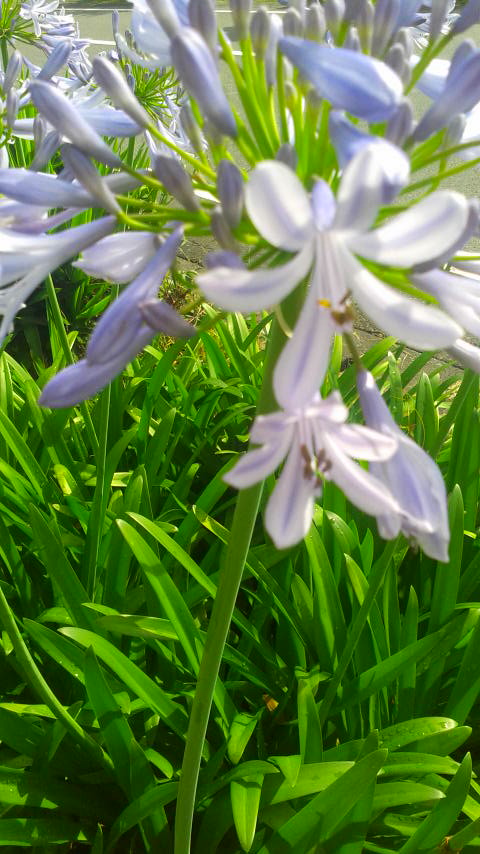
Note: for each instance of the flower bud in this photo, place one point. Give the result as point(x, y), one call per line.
point(57, 59)
point(287, 154)
point(384, 25)
point(190, 127)
point(292, 23)
point(12, 106)
point(221, 230)
point(260, 31)
point(469, 15)
point(85, 172)
point(165, 13)
point(437, 18)
point(223, 258)
point(315, 25)
point(230, 188)
point(201, 14)
point(175, 180)
point(365, 24)
point(400, 125)
point(161, 317)
point(455, 130)
point(198, 72)
point(352, 40)
point(13, 70)
point(334, 12)
point(113, 83)
point(240, 10)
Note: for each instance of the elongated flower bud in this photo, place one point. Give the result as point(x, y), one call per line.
point(230, 187)
point(292, 23)
point(57, 59)
point(365, 24)
point(201, 14)
point(175, 180)
point(315, 25)
point(161, 317)
point(437, 18)
point(12, 106)
point(384, 25)
point(260, 32)
point(288, 155)
point(240, 10)
point(165, 13)
point(116, 87)
point(198, 72)
point(469, 15)
point(400, 125)
point(85, 172)
point(13, 70)
point(58, 110)
point(221, 230)
point(190, 127)
point(352, 40)
point(334, 12)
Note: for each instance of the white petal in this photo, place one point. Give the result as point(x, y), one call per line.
point(119, 257)
point(370, 180)
point(290, 507)
point(254, 290)
point(278, 205)
point(415, 236)
point(271, 428)
point(256, 465)
point(364, 443)
point(422, 326)
point(467, 354)
point(365, 491)
point(303, 361)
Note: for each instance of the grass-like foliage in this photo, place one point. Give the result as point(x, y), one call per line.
point(346, 702)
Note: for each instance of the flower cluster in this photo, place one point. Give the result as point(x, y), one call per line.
point(328, 211)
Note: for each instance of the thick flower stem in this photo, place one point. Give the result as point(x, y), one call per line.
point(243, 522)
point(230, 578)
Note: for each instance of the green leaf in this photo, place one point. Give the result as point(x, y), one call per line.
point(314, 823)
point(241, 730)
point(309, 726)
point(245, 798)
point(443, 816)
point(36, 832)
point(137, 681)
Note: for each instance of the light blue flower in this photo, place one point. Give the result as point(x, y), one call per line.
point(124, 329)
point(411, 476)
point(327, 234)
point(351, 81)
point(315, 444)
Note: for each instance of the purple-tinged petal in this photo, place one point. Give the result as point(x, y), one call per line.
point(256, 465)
point(467, 354)
point(272, 428)
point(119, 257)
point(422, 326)
point(39, 188)
point(363, 489)
point(161, 317)
point(289, 511)
point(323, 205)
point(303, 361)
point(351, 81)
point(364, 443)
point(198, 72)
point(414, 237)
point(61, 113)
point(254, 290)
point(278, 205)
point(371, 179)
point(122, 319)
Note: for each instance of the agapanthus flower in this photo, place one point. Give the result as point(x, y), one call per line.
point(26, 259)
point(315, 444)
point(327, 235)
point(412, 477)
point(125, 328)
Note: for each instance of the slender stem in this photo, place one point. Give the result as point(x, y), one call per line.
point(43, 690)
point(230, 578)
point(59, 326)
point(375, 581)
point(95, 525)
